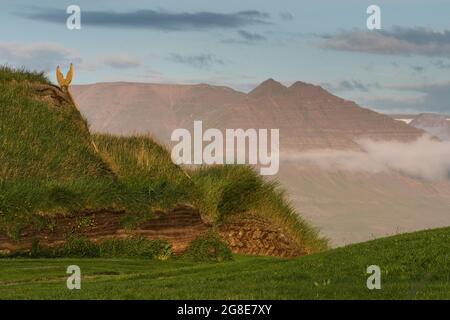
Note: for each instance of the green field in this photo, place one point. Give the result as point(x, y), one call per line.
point(414, 266)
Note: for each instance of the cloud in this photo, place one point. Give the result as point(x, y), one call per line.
point(350, 85)
point(436, 96)
point(395, 103)
point(38, 56)
point(246, 37)
point(201, 61)
point(286, 16)
point(251, 37)
point(121, 62)
point(427, 97)
point(424, 158)
point(397, 41)
point(417, 68)
point(441, 64)
point(152, 19)
point(46, 56)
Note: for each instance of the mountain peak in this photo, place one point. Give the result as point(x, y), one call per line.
point(300, 85)
point(268, 87)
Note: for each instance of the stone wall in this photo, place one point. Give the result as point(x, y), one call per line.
point(252, 234)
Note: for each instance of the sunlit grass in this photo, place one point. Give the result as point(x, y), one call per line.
point(413, 266)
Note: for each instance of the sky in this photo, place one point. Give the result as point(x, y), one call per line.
point(402, 68)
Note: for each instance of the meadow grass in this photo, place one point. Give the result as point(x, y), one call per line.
point(413, 266)
point(13, 74)
point(82, 247)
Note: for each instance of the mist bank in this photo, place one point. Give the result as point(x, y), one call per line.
point(424, 158)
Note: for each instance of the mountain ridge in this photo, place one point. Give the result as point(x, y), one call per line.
point(300, 110)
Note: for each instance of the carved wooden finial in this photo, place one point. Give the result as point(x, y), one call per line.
point(64, 82)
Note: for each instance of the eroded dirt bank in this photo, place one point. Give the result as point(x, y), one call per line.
point(250, 234)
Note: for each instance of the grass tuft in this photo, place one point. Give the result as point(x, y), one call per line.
point(208, 247)
point(13, 74)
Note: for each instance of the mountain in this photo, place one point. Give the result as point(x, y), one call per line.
point(308, 116)
point(348, 205)
point(435, 124)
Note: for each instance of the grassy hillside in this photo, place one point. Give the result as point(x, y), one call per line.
point(413, 266)
point(230, 189)
point(147, 169)
point(41, 141)
point(51, 166)
point(48, 163)
point(218, 191)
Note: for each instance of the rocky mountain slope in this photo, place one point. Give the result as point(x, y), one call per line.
point(308, 116)
point(435, 124)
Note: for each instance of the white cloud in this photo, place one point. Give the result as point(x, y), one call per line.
point(38, 56)
point(121, 61)
point(424, 158)
point(397, 41)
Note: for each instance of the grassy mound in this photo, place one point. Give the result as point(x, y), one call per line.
point(146, 167)
point(48, 162)
point(208, 247)
point(231, 189)
point(43, 142)
point(51, 165)
point(413, 266)
point(21, 75)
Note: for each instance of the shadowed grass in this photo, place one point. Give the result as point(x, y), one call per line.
point(413, 266)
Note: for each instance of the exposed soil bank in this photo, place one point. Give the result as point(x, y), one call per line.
point(249, 234)
point(178, 226)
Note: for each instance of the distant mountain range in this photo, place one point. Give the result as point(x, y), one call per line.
point(308, 116)
point(348, 205)
point(436, 124)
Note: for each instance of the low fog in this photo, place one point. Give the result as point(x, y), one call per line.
point(424, 158)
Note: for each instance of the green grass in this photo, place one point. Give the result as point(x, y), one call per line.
point(48, 164)
point(20, 75)
point(81, 247)
point(414, 266)
point(232, 189)
point(146, 168)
